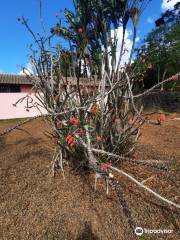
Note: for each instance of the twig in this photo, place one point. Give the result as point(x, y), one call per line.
point(8, 130)
point(140, 162)
point(147, 179)
point(144, 187)
point(158, 84)
point(119, 191)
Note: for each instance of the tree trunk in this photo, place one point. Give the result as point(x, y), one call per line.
point(163, 77)
point(122, 47)
point(133, 45)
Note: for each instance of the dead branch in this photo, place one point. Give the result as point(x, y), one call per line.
point(10, 129)
point(145, 187)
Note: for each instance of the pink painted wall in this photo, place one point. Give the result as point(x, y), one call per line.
point(8, 111)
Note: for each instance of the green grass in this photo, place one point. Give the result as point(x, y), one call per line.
point(166, 113)
point(173, 163)
point(142, 238)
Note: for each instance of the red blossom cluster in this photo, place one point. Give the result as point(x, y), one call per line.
point(106, 165)
point(94, 109)
point(162, 117)
point(71, 140)
point(75, 121)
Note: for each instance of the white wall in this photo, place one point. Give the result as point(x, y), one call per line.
point(8, 111)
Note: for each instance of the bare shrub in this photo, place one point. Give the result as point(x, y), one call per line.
point(88, 93)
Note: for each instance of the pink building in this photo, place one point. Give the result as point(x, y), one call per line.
point(12, 88)
point(15, 87)
point(10, 83)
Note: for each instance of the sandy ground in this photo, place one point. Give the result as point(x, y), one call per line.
point(34, 205)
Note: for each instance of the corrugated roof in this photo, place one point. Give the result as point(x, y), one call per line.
point(14, 79)
point(24, 79)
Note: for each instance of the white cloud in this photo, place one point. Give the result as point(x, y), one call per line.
point(127, 46)
point(137, 39)
point(166, 4)
point(28, 70)
point(150, 20)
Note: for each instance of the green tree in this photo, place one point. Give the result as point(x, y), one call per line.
point(159, 54)
point(89, 29)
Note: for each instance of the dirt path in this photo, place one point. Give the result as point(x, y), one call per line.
point(35, 206)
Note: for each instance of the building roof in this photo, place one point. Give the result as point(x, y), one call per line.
point(15, 79)
point(25, 79)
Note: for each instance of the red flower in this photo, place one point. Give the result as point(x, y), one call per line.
point(80, 30)
point(75, 121)
point(105, 165)
point(71, 140)
point(99, 139)
point(162, 117)
point(94, 109)
point(58, 124)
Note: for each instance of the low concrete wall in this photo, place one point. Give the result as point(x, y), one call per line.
point(8, 111)
point(157, 100)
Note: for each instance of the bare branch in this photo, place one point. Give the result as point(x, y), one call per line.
point(145, 187)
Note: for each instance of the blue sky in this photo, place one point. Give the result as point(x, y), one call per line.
point(14, 37)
